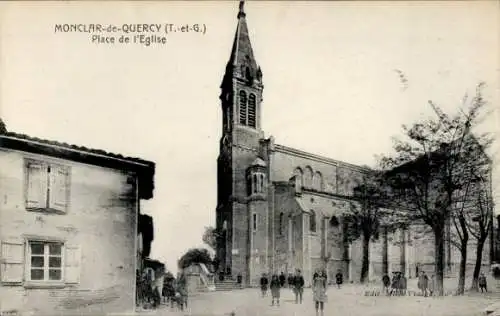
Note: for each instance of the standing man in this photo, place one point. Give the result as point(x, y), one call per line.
point(282, 279)
point(290, 280)
point(298, 286)
point(423, 283)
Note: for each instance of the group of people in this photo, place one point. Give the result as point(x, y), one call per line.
point(152, 288)
point(396, 286)
point(148, 294)
point(425, 284)
point(296, 284)
point(175, 292)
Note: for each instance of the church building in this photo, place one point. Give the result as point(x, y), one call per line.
point(280, 209)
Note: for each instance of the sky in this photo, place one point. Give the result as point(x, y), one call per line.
point(329, 72)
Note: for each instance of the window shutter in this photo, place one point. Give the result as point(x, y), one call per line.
point(12, 261)
point(59, 186)
point(36, 189)
point(72, 263)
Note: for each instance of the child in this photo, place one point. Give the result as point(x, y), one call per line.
point(275, 289)
point(402, 284)
point(394, 284)
point(182, 292)
point(339, 278)
point(482, 283)
point(431, 285)
point(386, 282)
point(263, 284)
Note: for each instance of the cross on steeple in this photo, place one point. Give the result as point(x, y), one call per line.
point(241, 13)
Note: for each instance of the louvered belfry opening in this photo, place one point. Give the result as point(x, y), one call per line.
point(251, 110)
point(243, 107)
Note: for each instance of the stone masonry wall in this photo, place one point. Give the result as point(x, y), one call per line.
point(259, 240)
point(101, 222)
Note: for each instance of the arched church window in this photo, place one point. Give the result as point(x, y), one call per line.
point(312, 222)
point(254, 222)
point(251, 110)
point(317, 181)
point(281, 223)
point(243, 107)
point(259, 180)
point(255, 184)
point(249, 185)
point(261, 183)
point(308, 174)
point(298, 179)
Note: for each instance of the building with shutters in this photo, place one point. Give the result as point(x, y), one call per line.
point(280, 208)
point(68, 227)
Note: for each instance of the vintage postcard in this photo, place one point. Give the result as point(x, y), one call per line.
point(249, 158)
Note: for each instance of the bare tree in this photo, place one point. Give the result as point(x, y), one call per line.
point(480, 225)
point(460, 237)
point(365, 216)
point(426, 174)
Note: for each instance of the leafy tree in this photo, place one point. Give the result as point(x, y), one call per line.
point(426, 174)
point(195, 255)
point(210, 237)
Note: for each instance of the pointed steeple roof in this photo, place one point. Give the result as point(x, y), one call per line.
point(242, 57)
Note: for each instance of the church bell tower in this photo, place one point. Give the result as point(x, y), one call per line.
point(241, 98)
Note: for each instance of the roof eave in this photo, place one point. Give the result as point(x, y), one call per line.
point(144, 170)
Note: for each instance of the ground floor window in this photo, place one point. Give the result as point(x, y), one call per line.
point(45, 261)
point(39, 262)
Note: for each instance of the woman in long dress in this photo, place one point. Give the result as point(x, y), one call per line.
point(319, 285)
point(275, 289)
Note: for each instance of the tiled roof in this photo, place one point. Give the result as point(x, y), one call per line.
point(144, 169)
point(75, 148)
